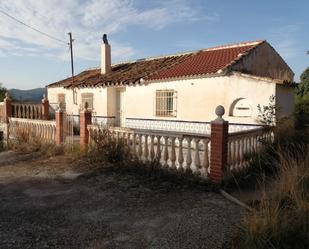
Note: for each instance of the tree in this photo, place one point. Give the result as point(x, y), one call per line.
point(303, 87)
point(2, 92)
point(302, 101)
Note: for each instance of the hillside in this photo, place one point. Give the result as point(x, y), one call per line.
point(32, 95)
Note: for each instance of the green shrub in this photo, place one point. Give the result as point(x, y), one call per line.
point(302, 112)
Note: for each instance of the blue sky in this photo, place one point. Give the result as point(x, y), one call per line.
point(140, 28)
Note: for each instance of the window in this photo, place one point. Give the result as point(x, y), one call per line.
point(87, 98)
point(166, 103)
point(61, 101)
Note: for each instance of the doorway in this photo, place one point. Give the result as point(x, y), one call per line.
point(120, 108)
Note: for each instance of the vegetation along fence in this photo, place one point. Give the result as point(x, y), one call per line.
point(213, 156)
point(183, 152)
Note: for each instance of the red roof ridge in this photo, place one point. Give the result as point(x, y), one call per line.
point(231, 45)
point(235, 45)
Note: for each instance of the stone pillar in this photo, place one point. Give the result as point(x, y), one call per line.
point(59, 127)
point(219, 146)
point(7, 107)
point(7, 113)
point(45, 108)
point(85, 120)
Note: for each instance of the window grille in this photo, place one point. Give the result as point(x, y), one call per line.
point(166, 103)
point(87, 98)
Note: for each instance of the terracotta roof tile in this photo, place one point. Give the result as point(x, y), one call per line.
point(124, 73)
point(208, 61)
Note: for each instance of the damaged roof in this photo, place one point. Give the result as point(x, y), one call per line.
point(211, 61)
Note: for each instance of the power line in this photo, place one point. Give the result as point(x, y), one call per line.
point(30, 27)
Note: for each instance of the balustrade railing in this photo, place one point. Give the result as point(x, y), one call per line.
point(44, 129)
point(27, 110)
point(178, 151)
point(243, 144)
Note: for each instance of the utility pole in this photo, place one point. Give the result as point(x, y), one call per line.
point(72, 66)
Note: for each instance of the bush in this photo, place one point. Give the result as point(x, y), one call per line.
point(302, 112)
point(281, 219)
point(265, 164)
point(106, 148)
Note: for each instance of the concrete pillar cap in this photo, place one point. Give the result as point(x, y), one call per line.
point(220, 112)
point(7, 96)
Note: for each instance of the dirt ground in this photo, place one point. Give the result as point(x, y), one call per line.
point(48, 203)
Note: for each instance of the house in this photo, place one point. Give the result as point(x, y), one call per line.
point(180, 92)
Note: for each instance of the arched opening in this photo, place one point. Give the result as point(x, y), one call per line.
point(240, 108)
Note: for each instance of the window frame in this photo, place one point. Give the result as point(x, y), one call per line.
point(61, 101)
point(165, 103)
point(90, 98)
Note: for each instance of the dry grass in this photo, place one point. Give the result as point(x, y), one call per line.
point(27, 142)
point(282, 218)
point(106, 148)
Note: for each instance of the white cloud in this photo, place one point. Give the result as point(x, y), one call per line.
point(87, 20)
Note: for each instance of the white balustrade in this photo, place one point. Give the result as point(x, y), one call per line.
point(44, 129)
point(27, 110)
point(176, 151)
point(245, 143)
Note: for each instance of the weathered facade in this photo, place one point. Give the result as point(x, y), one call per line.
point(180, 92)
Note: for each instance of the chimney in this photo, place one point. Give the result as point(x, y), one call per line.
point(105, 56)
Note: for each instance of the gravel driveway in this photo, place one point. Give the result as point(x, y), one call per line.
point(42, 206)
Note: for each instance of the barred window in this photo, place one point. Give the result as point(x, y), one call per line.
point(87, 98)
point(166, 103)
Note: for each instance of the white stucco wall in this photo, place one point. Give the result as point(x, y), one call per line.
point(264, 61)
point(285, 98)
point(99, 99)
point(196, 99)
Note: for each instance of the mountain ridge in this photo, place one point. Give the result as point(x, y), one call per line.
point(31, 95)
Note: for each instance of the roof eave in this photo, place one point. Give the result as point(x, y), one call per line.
point(267, 79)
